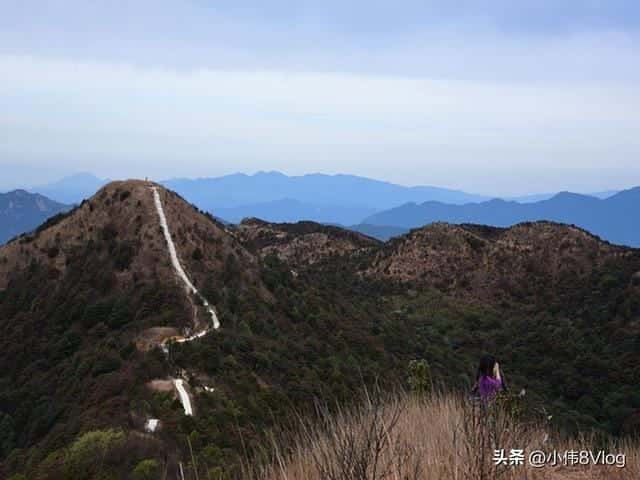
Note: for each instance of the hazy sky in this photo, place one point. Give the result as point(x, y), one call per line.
point(498, 97)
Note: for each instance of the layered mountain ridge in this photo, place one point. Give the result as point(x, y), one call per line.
point(377, 208)
point(21, 211)
point(614, 218)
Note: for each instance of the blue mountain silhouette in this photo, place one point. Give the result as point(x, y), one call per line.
point(616, 218)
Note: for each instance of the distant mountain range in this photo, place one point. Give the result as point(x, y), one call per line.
point(73, 189)
point(289, 210)
point(251, 191)
point(273, 196)
point(538, 197)
point(616, 218)
point(318, 189)
point(376, 208)
point(21, 211)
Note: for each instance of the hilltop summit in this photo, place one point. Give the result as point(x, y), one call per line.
point(120, 225)
point(491, 262)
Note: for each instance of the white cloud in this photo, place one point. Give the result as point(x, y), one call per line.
point(110, 118)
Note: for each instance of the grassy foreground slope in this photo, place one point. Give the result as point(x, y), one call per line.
point(439, 437)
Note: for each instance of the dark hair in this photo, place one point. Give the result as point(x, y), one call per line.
point(485, 369)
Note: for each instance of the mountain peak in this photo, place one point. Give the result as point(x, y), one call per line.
point(82, 176)
point(19, 193)
point(128, 184)
point(123, 220)
point(474, 260)
point(270, 174)
point(72, 189)
point(566, 195)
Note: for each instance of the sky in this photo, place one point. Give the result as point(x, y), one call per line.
point(493, 97)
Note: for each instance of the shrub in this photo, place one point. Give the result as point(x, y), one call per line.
point(85, 456)
point(146, 470)
point(109, 232)
point(7, 435)
point(105, 364)
point(419, 374)
point(122, 255)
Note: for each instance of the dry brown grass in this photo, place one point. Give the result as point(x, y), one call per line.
point(485, 263)
point(437, 438)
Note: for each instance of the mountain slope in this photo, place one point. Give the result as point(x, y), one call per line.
point(566, 310)
point(421, 436)
point(302, 243)
point(614, 218)
point(87, 301)
point(21, 211)
point(80, 296)
point(124, 217)
point(489, 263)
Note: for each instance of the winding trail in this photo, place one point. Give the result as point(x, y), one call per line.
point(180, 383)
point(184, 397)
point(178, 267)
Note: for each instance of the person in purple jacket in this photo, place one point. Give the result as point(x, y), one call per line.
point(489, 378)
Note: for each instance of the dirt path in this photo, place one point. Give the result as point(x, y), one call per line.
point(184, 397)
point(179, 383)
point(176, 262)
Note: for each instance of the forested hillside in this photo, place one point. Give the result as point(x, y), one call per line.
point(306, 312)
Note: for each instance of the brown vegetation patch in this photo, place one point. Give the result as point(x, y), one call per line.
point(302, 243)
point(489, 263)
point(154, 337)
point(161, 385)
